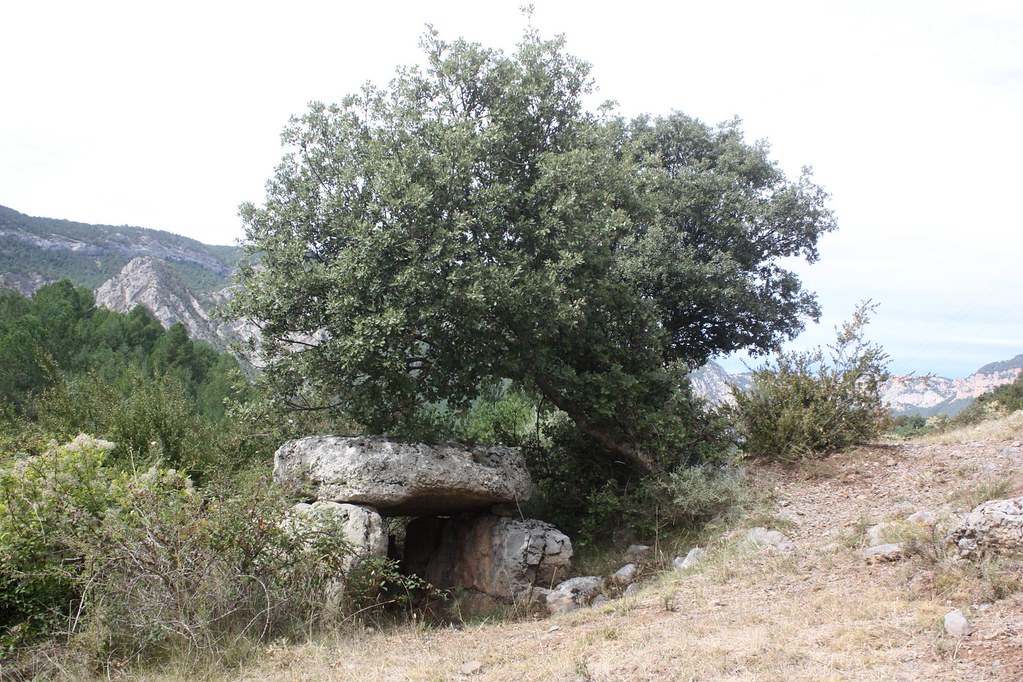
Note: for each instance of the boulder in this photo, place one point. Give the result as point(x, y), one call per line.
point(993, 527)
point(403, 479)
point(957, 625)
point(574, 593)
point(624, 575)
point(694, 557)
point(505, 558)
point(883, 553)
point(358, 526)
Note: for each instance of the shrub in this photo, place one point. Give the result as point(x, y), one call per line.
point(48, 503)
point(132, 566)
point(590, 493)
point(814, 402)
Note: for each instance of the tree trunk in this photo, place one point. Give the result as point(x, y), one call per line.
point(642, 461)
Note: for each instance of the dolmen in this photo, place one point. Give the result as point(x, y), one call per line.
point(465, 534)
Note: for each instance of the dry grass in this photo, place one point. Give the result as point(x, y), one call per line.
point(1007, 428)
point(818, 612)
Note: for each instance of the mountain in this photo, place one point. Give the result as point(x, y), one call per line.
point(36, 251)
point(712, 383)
point(175, 278)
point(905, 395)
point(926, 396)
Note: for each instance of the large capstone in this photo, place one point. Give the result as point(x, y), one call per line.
point(504, 558)
point(403, 479)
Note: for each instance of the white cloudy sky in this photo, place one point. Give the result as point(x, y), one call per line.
point(167, 115)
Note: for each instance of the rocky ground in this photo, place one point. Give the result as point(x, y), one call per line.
point(815, 610)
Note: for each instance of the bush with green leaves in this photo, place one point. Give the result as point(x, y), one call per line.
point(47, 503)
point(815, 402)
point(136, 565)
point(590, 493)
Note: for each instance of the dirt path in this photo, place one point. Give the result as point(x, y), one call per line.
point(817, 612)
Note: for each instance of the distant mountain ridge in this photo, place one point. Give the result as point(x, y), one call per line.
point(175, 278)
point(905, 395)
point(36, 251)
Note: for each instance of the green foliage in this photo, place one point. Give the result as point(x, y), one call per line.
point(591, 493)
point(142, 564)
point(77, 368)
point(811, 403)
point(911, 426)
point(47, 502)
point(474, 223)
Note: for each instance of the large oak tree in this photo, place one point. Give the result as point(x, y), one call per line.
point(474, 221)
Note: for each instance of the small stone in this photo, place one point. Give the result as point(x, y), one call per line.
point(631, 588)
point(875, 534)
point(922, 518)
point(637, 552)
point(882, 553)
point(599, 600)
point(471, 668)
point(956, 624)
point(694, 557)
point(761, 537)
point(624, 575)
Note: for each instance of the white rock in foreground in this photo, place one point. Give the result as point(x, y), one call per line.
point(694, 557)
point(956, 624)
point(994, 527)
point(361, 528)
point(403, 479)
point(574, 593)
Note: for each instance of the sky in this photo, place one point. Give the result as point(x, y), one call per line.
point(168, 116)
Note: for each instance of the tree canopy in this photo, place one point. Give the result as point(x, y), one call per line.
point(475, 221)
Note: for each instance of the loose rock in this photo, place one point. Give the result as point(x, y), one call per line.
point(574, 593)
point(956, 624)
point(993, 527)
point(624, 575)
point(694, 557)
point(876, 534)
point(882, 553)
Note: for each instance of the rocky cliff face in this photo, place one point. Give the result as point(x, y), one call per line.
point(36, 251)
point(934, 395)
point(903, 394)
point(149, 282)
point(712, 383)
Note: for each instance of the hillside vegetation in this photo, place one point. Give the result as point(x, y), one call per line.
point(470, 254)
point(35, 251)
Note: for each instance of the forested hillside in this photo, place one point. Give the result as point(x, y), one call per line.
point(36, 251)
point(71, 366)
